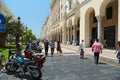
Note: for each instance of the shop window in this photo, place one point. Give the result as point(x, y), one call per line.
point(109, 13)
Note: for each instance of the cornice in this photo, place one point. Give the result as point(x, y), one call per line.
point(52, 3)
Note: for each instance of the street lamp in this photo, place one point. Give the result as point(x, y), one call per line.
point(18, 26)
point(18, 45)
point(18, 18)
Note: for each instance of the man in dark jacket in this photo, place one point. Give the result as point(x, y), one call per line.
point(46, 46)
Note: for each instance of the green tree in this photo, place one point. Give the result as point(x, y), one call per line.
point(29, 36)
point(4, 35)
point(14, 28)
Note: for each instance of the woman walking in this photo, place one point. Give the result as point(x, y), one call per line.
point(59, 48)
point(97, 47)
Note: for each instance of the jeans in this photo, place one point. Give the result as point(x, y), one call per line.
point(52, 51)
point(118, 56)
point(82, 54)
point(96, 57)
point(46, 51)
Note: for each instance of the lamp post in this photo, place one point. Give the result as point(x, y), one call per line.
point(19, 45)
point(18, 26)
point(18, 18)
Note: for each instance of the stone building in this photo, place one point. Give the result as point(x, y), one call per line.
point(88, 20)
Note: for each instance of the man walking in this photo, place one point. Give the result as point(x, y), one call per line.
point(52, 46)
point(46, 43)
point(97, 48)
point(81, 47)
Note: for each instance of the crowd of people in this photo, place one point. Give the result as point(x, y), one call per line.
point(38, 46)
point(52, 47)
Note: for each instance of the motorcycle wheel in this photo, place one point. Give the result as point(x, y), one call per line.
point(36, 74)
point(10, 67)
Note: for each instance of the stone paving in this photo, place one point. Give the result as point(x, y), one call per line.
point(107, 53)
point(70, 67)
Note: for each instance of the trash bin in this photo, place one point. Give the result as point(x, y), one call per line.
point(12, 52)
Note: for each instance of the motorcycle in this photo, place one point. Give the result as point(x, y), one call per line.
point(28, 54)
point(31, 66)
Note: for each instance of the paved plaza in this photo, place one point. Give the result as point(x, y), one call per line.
point(70, 67)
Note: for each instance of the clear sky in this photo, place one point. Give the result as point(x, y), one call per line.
point(33, 13)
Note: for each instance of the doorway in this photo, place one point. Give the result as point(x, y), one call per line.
point(78, 40)
point(109, 36)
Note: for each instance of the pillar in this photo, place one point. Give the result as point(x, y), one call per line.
point(68, 42)
point(74, 35)
point(118, 20)
point(99, 36)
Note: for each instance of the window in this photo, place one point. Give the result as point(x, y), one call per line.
point(61, 6)
point(65, 8)
point(70, 5)
point(109, 13)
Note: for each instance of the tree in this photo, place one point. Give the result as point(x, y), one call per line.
point(14, 27)
point(4, 35)
point(29, 36)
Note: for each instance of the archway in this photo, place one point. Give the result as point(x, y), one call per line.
point(110, 22)
point(77, 29)
point(90, 26)
point(69, 33)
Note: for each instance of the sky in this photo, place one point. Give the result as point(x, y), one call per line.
point(33, 13)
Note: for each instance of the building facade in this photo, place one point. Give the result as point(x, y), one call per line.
point(88, 20)
point(4, 9)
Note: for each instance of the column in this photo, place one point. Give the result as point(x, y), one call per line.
point(118, 20)
point(61, 35)
point(99, 28)
point(74, 35)
point(68, 42)
point(64, 35)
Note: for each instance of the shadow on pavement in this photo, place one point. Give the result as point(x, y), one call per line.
point(21, 77)
point(101, 63)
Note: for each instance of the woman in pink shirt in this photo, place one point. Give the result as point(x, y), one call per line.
point(97, 48)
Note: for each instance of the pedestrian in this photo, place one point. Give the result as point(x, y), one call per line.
point(52, 46)
point(19, 49)
point(81, 49)
point(28, 46)
point(40, 47)
point(118, 51)
point(97, 48)
point(46, 46)
point(59, 48)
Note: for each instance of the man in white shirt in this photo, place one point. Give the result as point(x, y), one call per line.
point(81, 47)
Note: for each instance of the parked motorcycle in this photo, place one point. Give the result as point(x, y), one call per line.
point(31, 66)
point(28, 54)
